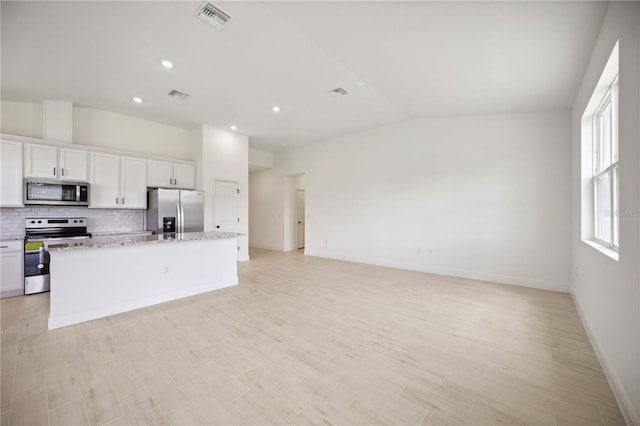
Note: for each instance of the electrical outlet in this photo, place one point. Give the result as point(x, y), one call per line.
point(165, 270)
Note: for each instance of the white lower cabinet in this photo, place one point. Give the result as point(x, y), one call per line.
point(11, 268)
point(118, 182)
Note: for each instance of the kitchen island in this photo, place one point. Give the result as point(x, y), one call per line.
point(98, 277)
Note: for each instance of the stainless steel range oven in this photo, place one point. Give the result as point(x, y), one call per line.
point(36, 257)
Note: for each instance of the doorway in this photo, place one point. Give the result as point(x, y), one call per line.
point(300, 224)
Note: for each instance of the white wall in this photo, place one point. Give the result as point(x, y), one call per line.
point(223, 155)
point(266, 209)
point(607, 291)
point(103, 129)
point(260, 160)
point(21, 118)
point(485, 197)
point(98, 128)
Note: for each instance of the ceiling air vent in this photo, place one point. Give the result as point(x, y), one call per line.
point(338, 92)
point(213, 16)
point(178, 94)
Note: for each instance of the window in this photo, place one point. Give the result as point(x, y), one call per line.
point(605, 168)
point(600, 163)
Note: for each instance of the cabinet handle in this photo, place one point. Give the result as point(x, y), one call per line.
point(123, 201)
point(54, 171)
point(175, 181)
point(170, 181)
point(116, 200)
point(4, 246)
point(63, 171)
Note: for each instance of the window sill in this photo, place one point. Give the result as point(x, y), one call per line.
point(604, 250)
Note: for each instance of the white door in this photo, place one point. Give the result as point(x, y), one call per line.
point(227, 209)
point(300, 224)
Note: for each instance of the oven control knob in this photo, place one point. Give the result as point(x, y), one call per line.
point(40, 265)
point(39, 221)
point(75, 221)
point(33, 221)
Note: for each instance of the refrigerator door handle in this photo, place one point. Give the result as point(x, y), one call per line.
point(178, 218)
point(181, 217)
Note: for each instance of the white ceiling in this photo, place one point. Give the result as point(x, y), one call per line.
point(417, 59)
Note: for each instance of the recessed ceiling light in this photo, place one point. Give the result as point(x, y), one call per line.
point(234, 128)
point(276, 109)
point(167, 64)
point(137, 100)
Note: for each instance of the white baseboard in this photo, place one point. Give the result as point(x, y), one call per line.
point(265, 247)
point(482, 276)
point(12, 293)
point(621, 396)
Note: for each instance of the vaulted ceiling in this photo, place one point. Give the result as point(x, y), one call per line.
point(397, 61)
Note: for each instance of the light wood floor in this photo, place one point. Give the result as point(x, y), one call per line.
point(305, 340)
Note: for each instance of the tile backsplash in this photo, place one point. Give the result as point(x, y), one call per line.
point(12, 220)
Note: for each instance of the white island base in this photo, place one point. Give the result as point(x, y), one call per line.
point(97, 281)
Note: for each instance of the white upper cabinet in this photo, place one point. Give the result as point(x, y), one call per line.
point(11, 174)
point(184, 176)
point(73, 164)
point(105, 178)
point(133, 183)
point(50, 162)
point(118, 182)
point(40, 161)
point(164, 174)
point(160, 174)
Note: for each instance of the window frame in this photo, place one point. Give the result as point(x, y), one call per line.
point(607, 166)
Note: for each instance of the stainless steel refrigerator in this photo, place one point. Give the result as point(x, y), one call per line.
point(175, 210)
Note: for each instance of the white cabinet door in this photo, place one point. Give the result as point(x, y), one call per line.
point(73, 164)
point(105, 181)
point(160, 174)
point(184, 176)
point(40, 161)
point(11, 174)
point(133, 184)
point(11, 270)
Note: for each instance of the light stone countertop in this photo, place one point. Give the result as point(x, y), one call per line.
point(119, 233)
point(136, 239)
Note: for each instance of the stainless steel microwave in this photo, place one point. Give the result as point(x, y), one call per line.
point(57, 193)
